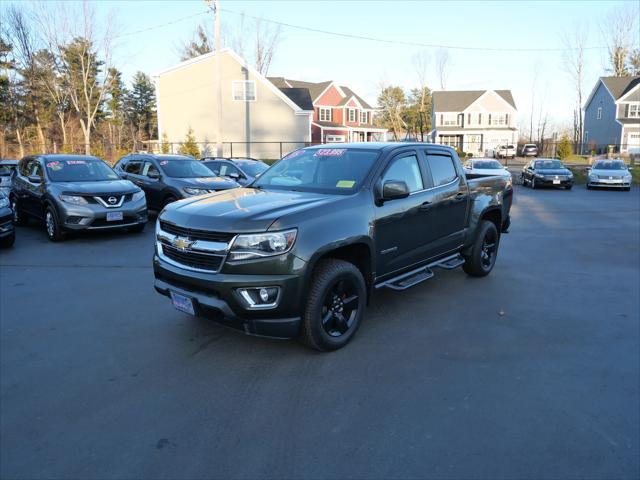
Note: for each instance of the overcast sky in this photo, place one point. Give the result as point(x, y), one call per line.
point(363, 64)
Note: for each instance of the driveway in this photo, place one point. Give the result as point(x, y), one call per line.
point(532, 372)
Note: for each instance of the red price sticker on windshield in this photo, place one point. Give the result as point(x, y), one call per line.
point(54, 165)
point(330, 152)
point(164, 162)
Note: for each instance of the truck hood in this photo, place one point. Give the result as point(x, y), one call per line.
point(241, 209)
point(97, 188)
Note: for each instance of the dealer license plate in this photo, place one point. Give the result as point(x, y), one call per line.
point(182, 303)
point(114, 216)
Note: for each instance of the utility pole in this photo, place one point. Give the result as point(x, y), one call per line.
point(217, 84)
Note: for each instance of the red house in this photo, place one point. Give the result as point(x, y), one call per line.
point(340, 115)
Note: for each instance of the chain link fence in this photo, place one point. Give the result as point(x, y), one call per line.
point(274, 150)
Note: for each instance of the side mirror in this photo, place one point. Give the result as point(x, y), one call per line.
point(234, 175)
point(35, 178)
point(153, 175)
point(394, 190)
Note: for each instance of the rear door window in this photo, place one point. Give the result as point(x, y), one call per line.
point(442, 169)
point(133, 167)
point(405, 169)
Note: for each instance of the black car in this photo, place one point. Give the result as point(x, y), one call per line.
point(547, 172)
point(242, 170)
point(75, 192)
point(7, 232)
point(167, 178)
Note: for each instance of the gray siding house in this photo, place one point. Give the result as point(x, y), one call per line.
point(612, 116)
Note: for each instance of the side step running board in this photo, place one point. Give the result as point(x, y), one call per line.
point(419, 275)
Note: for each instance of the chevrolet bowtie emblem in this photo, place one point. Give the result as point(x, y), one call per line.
point(182, 243)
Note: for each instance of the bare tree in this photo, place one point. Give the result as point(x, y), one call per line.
point(20, 34)
point(443, 65)
point(261, 54)
point(619, 29)
point(421, 65)
point(573, 61)
point(267, 39)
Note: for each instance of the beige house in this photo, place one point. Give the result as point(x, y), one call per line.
point(258, 119)
point(475, 121)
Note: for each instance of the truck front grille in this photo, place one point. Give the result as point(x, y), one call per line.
point(201, 261)
point(196, 234)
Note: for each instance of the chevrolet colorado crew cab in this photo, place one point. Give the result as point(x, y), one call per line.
point(299, 251)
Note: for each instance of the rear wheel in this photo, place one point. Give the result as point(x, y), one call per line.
point(19, 218)
point(482, 257)
point(52, 224)
point(335, 305)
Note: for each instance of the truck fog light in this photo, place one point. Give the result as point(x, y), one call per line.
point(262, 297)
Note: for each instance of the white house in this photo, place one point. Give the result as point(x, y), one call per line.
point(474, 120)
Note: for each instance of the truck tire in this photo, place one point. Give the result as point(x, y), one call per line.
point(482, 257)
point(335, 305)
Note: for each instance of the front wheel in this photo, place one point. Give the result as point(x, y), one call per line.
point(484, 251)
point(533, 183)
point(8, 241)
point(51, 222)
point(335, 305)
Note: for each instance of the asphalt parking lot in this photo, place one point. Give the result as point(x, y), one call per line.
point(532, 372)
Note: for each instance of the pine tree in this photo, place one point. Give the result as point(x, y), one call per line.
point(189, 146)
point(142, 107)
point(564, 147)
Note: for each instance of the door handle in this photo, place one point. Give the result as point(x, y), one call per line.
point(425, 205)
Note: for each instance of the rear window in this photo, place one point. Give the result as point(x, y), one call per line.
point(442, 169)
point(486, 164)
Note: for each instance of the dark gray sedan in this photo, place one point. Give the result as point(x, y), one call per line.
point(75, 192)
point(547, 172)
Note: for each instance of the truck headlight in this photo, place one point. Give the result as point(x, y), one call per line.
point(256, 245)
point(539, 175)
point(4, 202)
point(74, 199)
point(139, 195)
point(195, 191)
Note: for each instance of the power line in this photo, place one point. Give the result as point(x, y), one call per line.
point(402, 42)
point(127, 34)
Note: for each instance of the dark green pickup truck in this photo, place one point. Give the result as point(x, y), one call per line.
point(300, 250)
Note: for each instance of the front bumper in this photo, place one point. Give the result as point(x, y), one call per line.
point(614, 183)
point(94, 216)
point(6, 222)
point(215, 295)
point(549, 182)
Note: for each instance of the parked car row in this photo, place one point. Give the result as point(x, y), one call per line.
point(551, 172)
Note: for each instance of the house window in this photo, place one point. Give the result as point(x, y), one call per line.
point(324, 114)
point(363, 117)
point(599, 114)
point(479, 119)
point(489, 119)
point(441, 119)
point(352, 114)
point(634, 110)
point(468, 118)
point(333, 138)
point(244, 90)
point(451, 120)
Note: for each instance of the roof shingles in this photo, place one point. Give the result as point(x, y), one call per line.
point(457, 101)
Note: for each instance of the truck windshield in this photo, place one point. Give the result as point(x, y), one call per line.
point(79, 170)
point(327, 170)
